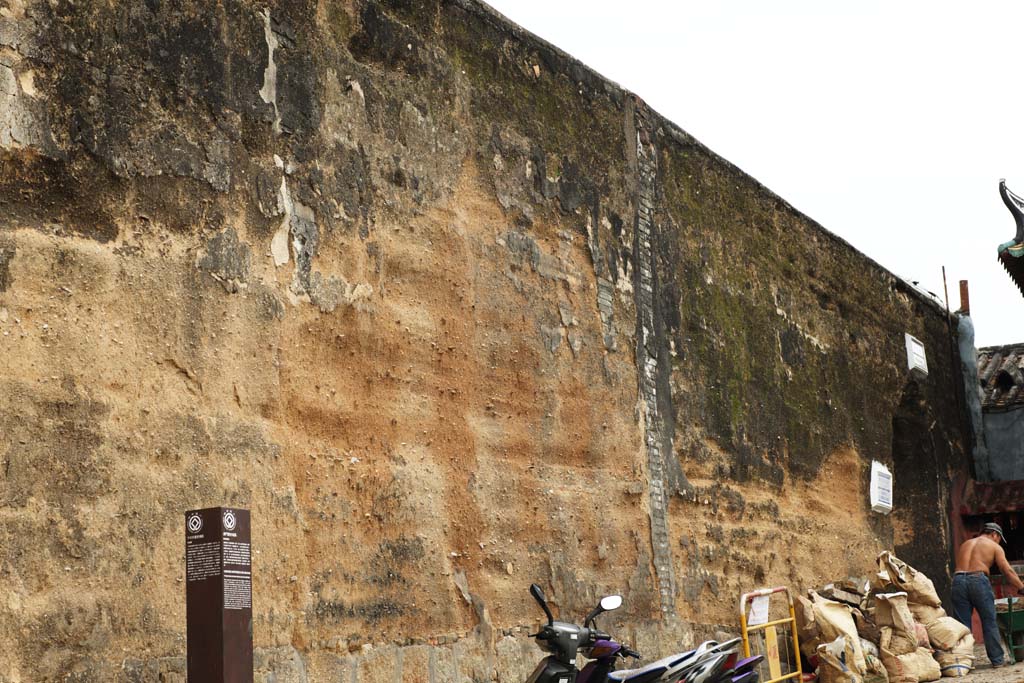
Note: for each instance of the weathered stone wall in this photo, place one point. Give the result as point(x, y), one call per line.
point(450, 313)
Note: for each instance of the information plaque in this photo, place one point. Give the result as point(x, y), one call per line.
point(218, 595)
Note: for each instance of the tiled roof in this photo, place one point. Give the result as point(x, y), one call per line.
point(1011, 255)
point(1001, 372)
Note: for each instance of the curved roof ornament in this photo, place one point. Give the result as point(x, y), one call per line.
point(1015, 204)
point(1011, 254)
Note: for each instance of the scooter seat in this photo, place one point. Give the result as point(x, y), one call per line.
point(707, 652)
point(649, 672)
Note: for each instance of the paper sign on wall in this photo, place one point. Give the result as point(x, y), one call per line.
point(759, 610)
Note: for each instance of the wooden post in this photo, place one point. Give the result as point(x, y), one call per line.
point(218, 595)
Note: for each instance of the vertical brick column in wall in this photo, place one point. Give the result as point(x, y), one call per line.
point(647, 364)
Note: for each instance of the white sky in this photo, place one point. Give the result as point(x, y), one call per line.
point(890, 123)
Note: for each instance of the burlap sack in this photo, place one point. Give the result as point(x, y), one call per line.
point(922, 635)
point(833, 661)
point(806, 626)
point(880, 582)
point(835, 619)
point(876, 672)
point(919, 588)
point(829, 672)
point(912, 667)
point(921, 665)
point(953, 665)
point(965, 646)
point(925, 614)
point(891, 609)
point(895, 641)
point(945, 633)
point(895, 668)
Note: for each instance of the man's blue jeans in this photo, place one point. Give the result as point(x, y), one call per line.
point(974, 591)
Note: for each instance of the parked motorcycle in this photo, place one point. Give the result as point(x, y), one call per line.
point(711, 662)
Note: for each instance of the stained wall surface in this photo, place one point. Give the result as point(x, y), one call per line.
point(1004, 432)
point(450, 313)
point(1001, 380)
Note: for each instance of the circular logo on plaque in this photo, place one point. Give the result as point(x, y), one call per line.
point(229, 520)
point(194, 523)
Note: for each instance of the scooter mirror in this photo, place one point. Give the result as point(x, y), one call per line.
point(608, 603)
point(538, 595)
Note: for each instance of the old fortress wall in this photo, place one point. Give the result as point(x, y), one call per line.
point(450, 313)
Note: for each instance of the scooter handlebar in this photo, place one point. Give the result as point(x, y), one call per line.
point(627, 652)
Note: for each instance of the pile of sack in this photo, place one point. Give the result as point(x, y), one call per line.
point(898, 634)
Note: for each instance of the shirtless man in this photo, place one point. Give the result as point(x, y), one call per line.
point(973, 590)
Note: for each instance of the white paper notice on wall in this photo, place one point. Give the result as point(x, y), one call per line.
point(880, 488)
point(759, 610)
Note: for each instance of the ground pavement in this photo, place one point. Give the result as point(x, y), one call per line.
point(984, 673)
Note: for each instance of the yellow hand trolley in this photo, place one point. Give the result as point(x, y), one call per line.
point(771, 635)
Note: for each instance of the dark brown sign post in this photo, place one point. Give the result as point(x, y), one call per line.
point(218, 595)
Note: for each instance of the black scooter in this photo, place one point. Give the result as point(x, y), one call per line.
point(711, 662)
point(564, 641)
